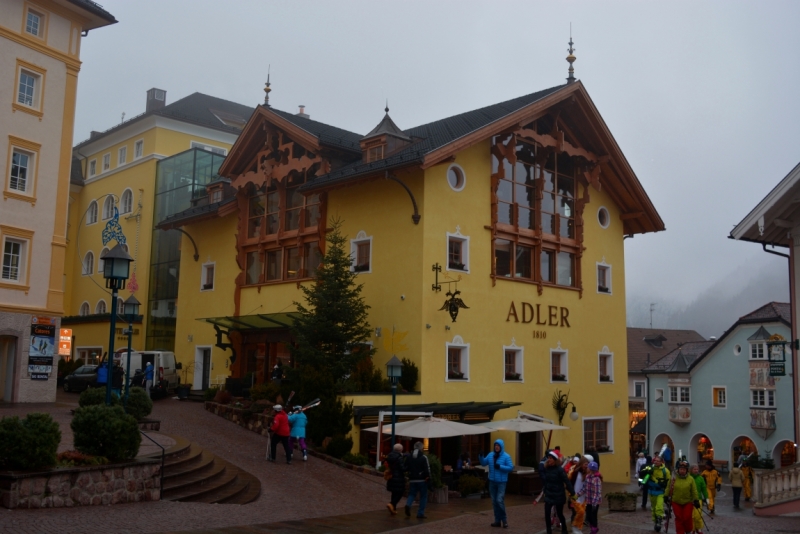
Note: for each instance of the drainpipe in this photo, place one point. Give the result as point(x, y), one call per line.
point(648, 415)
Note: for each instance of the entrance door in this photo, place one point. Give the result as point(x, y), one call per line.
point(8, 347)
point(206, 368)
point(202, 368)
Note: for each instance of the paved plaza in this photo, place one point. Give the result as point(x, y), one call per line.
point(313, 496)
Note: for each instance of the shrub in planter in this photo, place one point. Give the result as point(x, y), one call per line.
point(139, 403)
point(268, 392)
point(339, 446)
point(210, 393)
point(468, 484)
point(223, 397)
point(436, 470)
point(106, 431)
point(78, 459)
point(408, 380)
point(355, 459)
point(29, 443)
point(95, 396)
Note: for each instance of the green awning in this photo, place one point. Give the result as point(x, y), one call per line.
point(258, 321)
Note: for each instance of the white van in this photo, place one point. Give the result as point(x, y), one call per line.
point(165, 375)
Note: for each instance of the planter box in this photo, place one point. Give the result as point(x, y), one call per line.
point(134, 481)
point(439, 496)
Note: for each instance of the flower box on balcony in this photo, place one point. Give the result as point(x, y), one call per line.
point(452, 375)
point(559, 378)
point(605, 378)
point(513, 377)
point(361, 268)
point(456, 266)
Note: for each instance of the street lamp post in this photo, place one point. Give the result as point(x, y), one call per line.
point(116, 269)
point(131, 306)
point(394, 368)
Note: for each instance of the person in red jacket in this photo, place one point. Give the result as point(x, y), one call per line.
point(280, 432)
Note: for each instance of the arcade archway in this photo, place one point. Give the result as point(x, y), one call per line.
point(742, 446)
point(700, 449)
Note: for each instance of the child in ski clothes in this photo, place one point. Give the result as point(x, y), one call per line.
point(555, 481)
point(500, 465)
point(656, 487)
point(298, 422)
point(713, 483)
point(280, 432)
point(579, 503)
point(702, 491)
point(684, 497)
point(593, 491)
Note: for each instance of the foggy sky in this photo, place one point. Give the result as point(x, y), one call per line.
point(702, 97)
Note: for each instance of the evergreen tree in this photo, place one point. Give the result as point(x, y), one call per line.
point(332, 330)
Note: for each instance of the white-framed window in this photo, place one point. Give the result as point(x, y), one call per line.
point(457, 360)
point(108, 207)
point(207, 276)
point(29, 93)
point(91, 213)
point(456, 177)
point(138, 149)
point(88, 263)
point(101, 263)
point(361, 253)
point(14, 259)
point(680, 394)
point(120, 307)
point(719, 396)
point(100, 307)
point(106, 162)
point(209, 148)
point(126, 201)
point(659, 394)
point(762, 398)
point(27, 88)
point(35, 23)
point(758, 351)
point(457, 251)
point(92, 168)
point(598, 434)
point(603, 218)
point(605, 365)
point(559, 371)
point(84, 309)
point(603, 277)
point(639, 389)
point(22, 171)
point(513, 358)
point(122, 156)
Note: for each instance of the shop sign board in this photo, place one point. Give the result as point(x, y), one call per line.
point(65, 342)
point(777, 368)
point(42, 347)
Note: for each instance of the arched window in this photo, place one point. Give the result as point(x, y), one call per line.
point(101, 306)
point(100, 262)
point(91, 213)
point(126, 202)
point(88, 263)
point(108, 207)
point(120, 307)
point(84, 309)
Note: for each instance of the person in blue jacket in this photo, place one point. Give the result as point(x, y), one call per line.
point(298, 422)
point(148, 377)
point(500, 465)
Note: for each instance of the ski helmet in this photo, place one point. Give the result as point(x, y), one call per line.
point(277, 407)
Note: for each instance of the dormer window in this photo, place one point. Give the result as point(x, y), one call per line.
point(375, 153)
point(655, 341)
point(385, 139)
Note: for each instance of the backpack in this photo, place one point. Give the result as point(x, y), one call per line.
point(387, 471)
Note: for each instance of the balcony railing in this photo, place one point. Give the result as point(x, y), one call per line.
point(774, 487)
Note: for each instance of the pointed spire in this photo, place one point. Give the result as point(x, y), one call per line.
point(387, 127)
point(571, 57)
point(386, 109)
point(266, 88)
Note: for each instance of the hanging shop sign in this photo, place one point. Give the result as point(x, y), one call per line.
point(65, 341)
point(776, 350)
point(42, 347)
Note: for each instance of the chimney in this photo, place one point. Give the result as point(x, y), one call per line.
point(303, 113)
point(156, 99)
point(94, 133)
point(712, 338)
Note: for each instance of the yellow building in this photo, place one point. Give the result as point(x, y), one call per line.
point(519, 209)
point(40, 44)
point(129, 172)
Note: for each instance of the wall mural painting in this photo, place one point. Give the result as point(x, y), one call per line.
point(759, 375)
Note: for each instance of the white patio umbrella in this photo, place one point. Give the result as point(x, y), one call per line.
point(431, 427)
point(519, 424)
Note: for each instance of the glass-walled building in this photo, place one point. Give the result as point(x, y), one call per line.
point(180, 179)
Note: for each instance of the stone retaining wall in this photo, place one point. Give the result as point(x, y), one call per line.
point(135, 481)
point(244, 417)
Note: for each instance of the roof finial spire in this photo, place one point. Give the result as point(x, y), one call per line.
point(571, 57)
point(266, 88)
point(387, 106)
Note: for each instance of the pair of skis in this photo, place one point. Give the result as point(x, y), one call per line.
point(314, 403)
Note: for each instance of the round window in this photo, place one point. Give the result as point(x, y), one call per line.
point(602, 217)
point(455, 177)
point(737, 350)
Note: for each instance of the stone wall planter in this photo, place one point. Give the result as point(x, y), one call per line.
point(244, 417)
point(134, 481)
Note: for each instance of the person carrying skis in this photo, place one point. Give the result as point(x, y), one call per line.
point(656, 486)
point(684, 498)
point(713, 482)
point(702, 491)
point(298, 422)
point(500, 465)
point(280, 430)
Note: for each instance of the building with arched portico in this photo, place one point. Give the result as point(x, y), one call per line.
point(716, 400)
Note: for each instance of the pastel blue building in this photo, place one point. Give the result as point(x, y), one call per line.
point(717, 399)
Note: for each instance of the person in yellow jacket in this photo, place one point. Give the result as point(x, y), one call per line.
point(684, 498)
point(713, 483)
point(700, 482)
point(657, 481)
point(747, 473)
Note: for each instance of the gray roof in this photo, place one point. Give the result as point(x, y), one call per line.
point(387, 127)
point(327, 134)
point(680, 359)
point(76, 172)
point(775, 311)
point(639, 349)
point(429, 137)
point(95, 9)
point(761, 335)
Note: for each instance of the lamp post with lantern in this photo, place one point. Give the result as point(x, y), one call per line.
point(394, 369)
point(131, 309)
point(116, 270)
